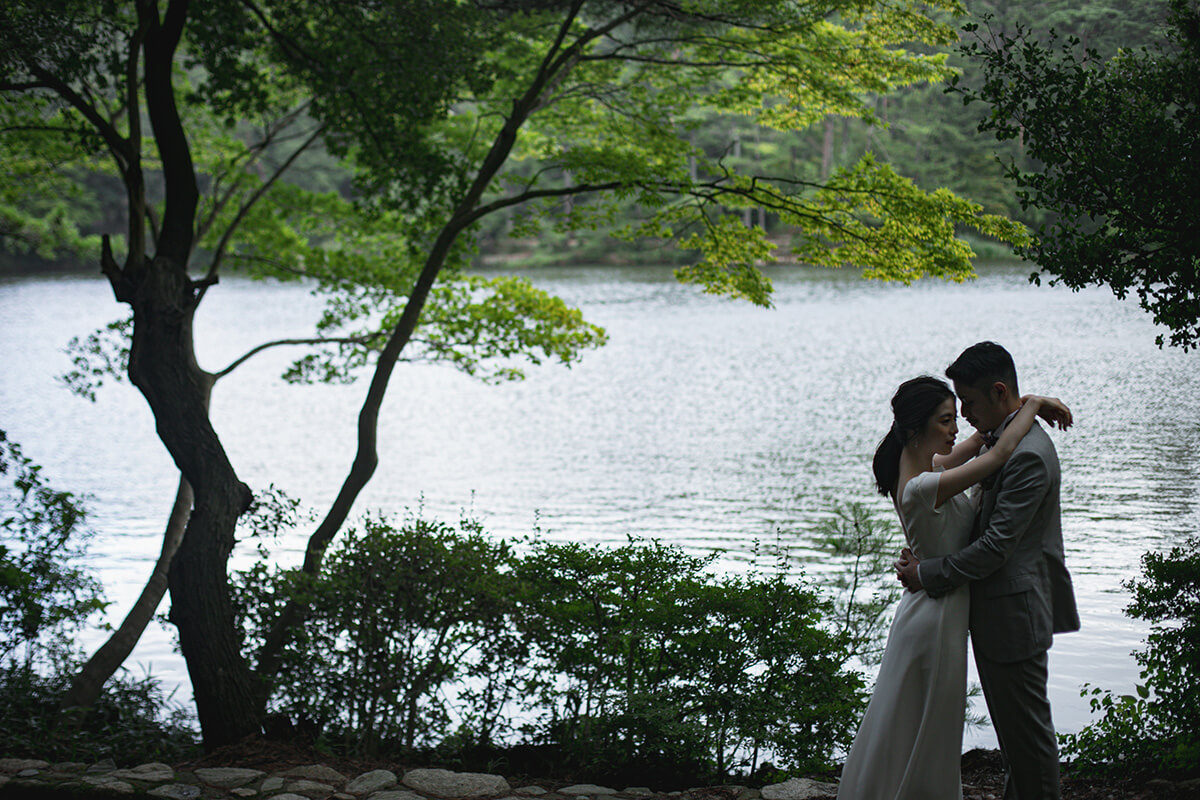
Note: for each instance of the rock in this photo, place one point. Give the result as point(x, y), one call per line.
point(530, 791)
point(69, 766)
point(398, 794)
point(310, 789)
point(746, 793)
point(317, 772)
point(272, 784)
point(21, 764)
point(242, 791)
point(176, 791)
point(107, 765)
point(153, 772)
point(108, 784)
point(29, 773)
point(444, 783)
point(799, 789)
point(342, 796)
point(228, 777)
point(374, 781)
point(638, 791)
point(289, 796)
point(590, 789)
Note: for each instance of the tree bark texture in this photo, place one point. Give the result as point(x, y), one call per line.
point(163, 366)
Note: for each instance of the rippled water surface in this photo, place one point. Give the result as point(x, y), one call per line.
point(705, 422)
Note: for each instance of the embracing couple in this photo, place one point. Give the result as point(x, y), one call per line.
point(985, 553)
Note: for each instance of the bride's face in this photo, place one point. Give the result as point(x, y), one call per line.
point(942, 428)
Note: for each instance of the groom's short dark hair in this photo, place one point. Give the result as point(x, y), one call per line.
point(984, 364)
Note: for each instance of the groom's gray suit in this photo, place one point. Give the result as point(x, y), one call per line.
point(1020, 595)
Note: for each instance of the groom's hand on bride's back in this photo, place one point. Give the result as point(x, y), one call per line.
point(906, 570)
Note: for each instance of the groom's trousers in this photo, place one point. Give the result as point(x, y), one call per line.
point(1020, 712)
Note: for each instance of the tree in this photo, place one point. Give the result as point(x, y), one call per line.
point(432, 101)
point(1115, 144)
point(601, 97)
point(90, 76)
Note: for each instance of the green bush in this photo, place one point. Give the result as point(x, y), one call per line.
point(44, 598)
point(132, 722)
point(650, 662)
point(398, 617)
point(632, 662)
point(43, 595)
point(1158, 728)
point(863, 545)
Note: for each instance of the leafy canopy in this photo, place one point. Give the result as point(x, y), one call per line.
point(602, 98)
point(1116, 143)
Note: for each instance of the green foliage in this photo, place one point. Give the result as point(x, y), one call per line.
point(43, 205)
point(396, 616)
point(1156, 729)
point(865, 546)
point(365, 267)
point(44, 595)
point(631, 662)
point(652, 664)
point(132, 722)
point(1114, 142)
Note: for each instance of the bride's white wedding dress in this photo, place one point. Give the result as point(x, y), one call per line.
point(909, 745)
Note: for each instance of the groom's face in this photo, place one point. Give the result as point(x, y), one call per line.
point(981, 406)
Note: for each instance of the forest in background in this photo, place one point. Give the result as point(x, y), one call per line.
point(926, 132)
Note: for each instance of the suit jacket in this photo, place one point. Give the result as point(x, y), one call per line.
point(1021, 591)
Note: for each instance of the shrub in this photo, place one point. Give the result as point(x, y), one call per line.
point(651, 663)
point(397, 617)
point(132, 722)
point(43, 595)
point(628, 663)
point(1158, 729)
point(44, 598)
point(864, 545)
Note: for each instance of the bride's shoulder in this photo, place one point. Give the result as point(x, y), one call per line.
point(921, 489)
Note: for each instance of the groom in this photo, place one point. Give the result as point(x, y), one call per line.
point(1020, 589)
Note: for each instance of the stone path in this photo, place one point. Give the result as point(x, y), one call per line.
point(25, 777)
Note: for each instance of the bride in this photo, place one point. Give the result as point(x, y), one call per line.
point(909, 744)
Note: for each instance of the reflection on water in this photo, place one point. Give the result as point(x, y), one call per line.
point(705, 422)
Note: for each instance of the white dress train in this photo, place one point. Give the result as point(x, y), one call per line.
point(909, 745)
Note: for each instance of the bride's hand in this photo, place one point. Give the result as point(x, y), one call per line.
point(1052, 410)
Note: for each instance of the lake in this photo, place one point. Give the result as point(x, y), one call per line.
point(705, 422)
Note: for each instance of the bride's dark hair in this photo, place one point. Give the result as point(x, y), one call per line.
point(912, 406)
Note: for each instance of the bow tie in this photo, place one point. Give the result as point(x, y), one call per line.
point(990, 439)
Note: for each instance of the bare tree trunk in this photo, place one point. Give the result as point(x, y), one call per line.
point(86, 686)
point(163, 366)
point(737, 153)
point(827, 150)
